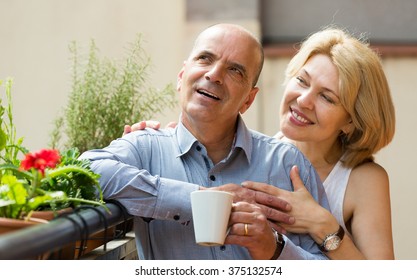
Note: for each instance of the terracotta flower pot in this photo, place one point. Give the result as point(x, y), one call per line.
point(49, 215)
point(9, 225)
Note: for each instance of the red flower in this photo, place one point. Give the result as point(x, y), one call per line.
point(40, 160)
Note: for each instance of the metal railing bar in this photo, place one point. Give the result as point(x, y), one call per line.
point(36, 240)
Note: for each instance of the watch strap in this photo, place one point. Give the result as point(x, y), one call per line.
point(280, 242)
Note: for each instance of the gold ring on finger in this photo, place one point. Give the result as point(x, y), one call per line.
point(246, 229)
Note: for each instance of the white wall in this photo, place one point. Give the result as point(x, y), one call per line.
point(34, 49)
point(399, 158)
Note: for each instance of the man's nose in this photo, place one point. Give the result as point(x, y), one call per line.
point(215, 74)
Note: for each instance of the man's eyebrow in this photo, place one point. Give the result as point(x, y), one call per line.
point(232, 64)
point(204, 52)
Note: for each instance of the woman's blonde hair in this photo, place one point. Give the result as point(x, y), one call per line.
point(363, 87)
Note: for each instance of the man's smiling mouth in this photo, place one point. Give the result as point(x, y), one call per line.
point(210, 95)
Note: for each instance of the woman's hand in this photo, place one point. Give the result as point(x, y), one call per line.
point(310, 217)
point(273, 207)
point(146, 124)
point(141, 126)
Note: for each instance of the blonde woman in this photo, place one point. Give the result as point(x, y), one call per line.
point(337, 109)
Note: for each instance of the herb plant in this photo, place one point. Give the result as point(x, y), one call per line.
point(106, 95)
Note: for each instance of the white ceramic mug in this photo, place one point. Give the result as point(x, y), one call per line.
point(211, 211)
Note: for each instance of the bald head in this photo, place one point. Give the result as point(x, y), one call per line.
point(247, 41)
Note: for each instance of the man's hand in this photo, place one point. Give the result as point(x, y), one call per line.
point(250, 228)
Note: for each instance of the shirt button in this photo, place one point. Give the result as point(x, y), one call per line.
point(198, 148)
point(176, 217)
point(212, 177)
point(223, 248)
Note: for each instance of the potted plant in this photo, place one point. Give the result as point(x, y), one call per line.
point(44, 180)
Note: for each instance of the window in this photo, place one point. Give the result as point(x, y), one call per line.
point(390, 25)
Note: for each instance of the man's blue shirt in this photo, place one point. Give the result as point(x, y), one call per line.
point(152, 173)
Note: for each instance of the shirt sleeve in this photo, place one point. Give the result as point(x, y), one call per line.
point(294, 252)
point(306, 248)
point(122, 178)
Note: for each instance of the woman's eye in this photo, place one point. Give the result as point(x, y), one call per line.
point(327, 98)
point(300, 80)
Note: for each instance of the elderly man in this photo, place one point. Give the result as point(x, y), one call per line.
point(152, 173)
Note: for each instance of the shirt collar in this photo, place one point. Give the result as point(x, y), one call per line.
point(243, 139)
point(185, 139)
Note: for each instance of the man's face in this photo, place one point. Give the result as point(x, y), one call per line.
point(216, 81)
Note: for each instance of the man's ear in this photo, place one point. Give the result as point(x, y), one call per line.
point(179, 77)
point(249, 100)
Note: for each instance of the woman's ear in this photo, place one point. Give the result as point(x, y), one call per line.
point(348, 128)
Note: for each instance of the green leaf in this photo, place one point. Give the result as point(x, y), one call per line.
point(13, 191)
point(17, 191)
point(3, 139)
point(4, 202)
point(37, 201)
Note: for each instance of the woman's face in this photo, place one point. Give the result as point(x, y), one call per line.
point(310, 109)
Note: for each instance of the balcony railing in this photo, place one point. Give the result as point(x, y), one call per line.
point(50, 238)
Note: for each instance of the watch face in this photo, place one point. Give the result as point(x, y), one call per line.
point(332, 243)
